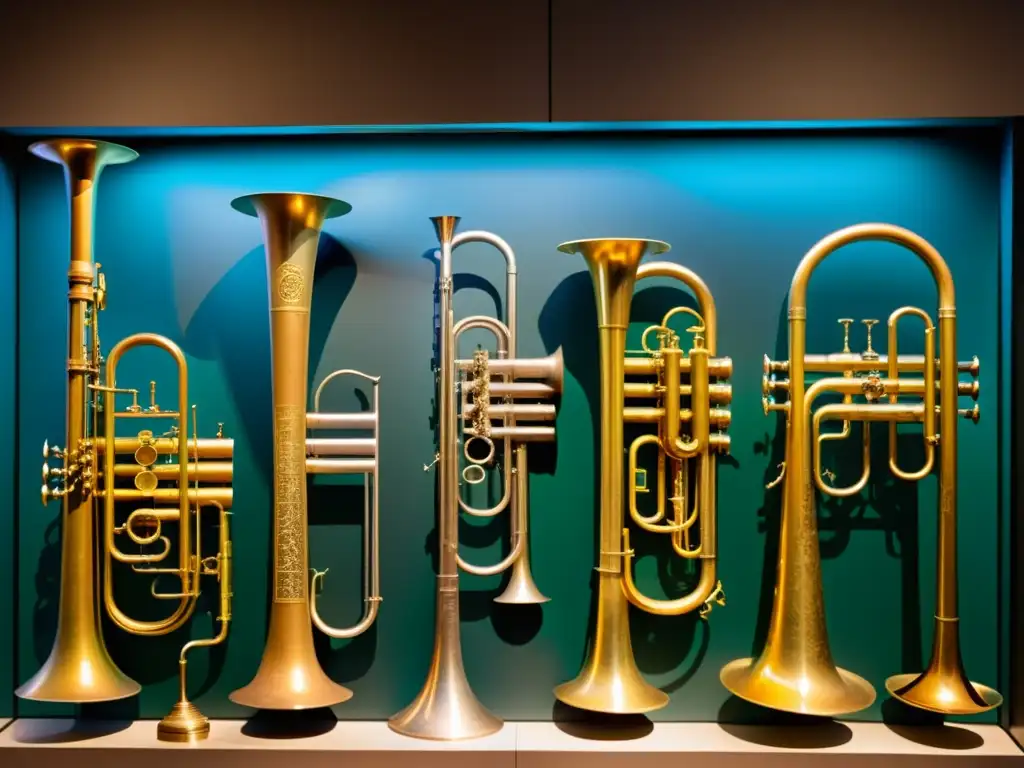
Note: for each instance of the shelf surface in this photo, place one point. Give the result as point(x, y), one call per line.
point(44, 743)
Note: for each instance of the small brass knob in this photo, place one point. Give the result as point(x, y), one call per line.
point(846, 322)
point(869, 352)
point(971, 414)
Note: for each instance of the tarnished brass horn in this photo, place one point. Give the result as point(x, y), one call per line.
point(164, 471)
point(609, 680)
point(289, 675)
point(795, 671)
point(446, 707)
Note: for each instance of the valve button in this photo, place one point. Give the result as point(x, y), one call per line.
point(146, 482)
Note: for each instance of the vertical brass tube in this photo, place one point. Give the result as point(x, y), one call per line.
point(79, 668)
point(289, 675)
point(446, 708)
point(609, 680)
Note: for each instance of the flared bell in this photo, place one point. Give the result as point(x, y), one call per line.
point(944, 686)
point(521, 589)
point(444, 227)
point(296, 208)
point(446, 709)
point(807, 688)
point(610, 680)
point(84, 157)
point(290, 677)
point(79, 670)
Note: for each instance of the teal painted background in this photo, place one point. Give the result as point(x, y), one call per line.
point(741, 209)
point(8, 407)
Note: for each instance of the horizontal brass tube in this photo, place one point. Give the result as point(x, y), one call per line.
point(207, 495)
point(719, 442)
point(209, 447)
point(517, 368)
point(890, 412)
point(147, 415)
point(840, 362)
point(522, 389)
point(149, 517)
point(720, 394)
point(518, 411)
point(718, 367)
point(365, 420)
point(205, 472)
point(719, 417)
point(907, 387)
point(518, 433)
point(341, 446)
point(340, 466)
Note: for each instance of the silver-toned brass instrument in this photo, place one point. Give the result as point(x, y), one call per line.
point(446, 707)
point(610, 680)
point(158, 475)
point(289, 676)
point(795, 671)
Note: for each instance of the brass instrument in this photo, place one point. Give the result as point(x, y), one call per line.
point(289, 675)
point(795, 671)
point(158, 474)
point(446, 707)
point(609, 680)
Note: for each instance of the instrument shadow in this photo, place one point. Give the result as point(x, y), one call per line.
point(242, 345)
point(598, 726)
point(287, 724)
point(769, 515)
point(45, 731)
point(928, 728)
point(781, 730)
point(568, 320)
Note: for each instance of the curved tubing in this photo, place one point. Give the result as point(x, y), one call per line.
point(650, 523)
point(634, 511)
point(704, 505)
point(506, 338)
point(371, 538)
point(928, 433)
point(223, 573)
point(798, 514)
point(187, 574)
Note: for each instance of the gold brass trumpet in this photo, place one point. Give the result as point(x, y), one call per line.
point(289, 675)
point(609, 680)
point(446, 707)
point(795, 671)
point(158, 474)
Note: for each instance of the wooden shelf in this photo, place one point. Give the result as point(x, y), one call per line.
point(46, 743)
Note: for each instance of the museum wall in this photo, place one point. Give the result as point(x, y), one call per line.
point(8, 409)
point(740, 208)
point(347, 62)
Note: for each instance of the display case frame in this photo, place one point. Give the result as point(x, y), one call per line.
point(1010, 669)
